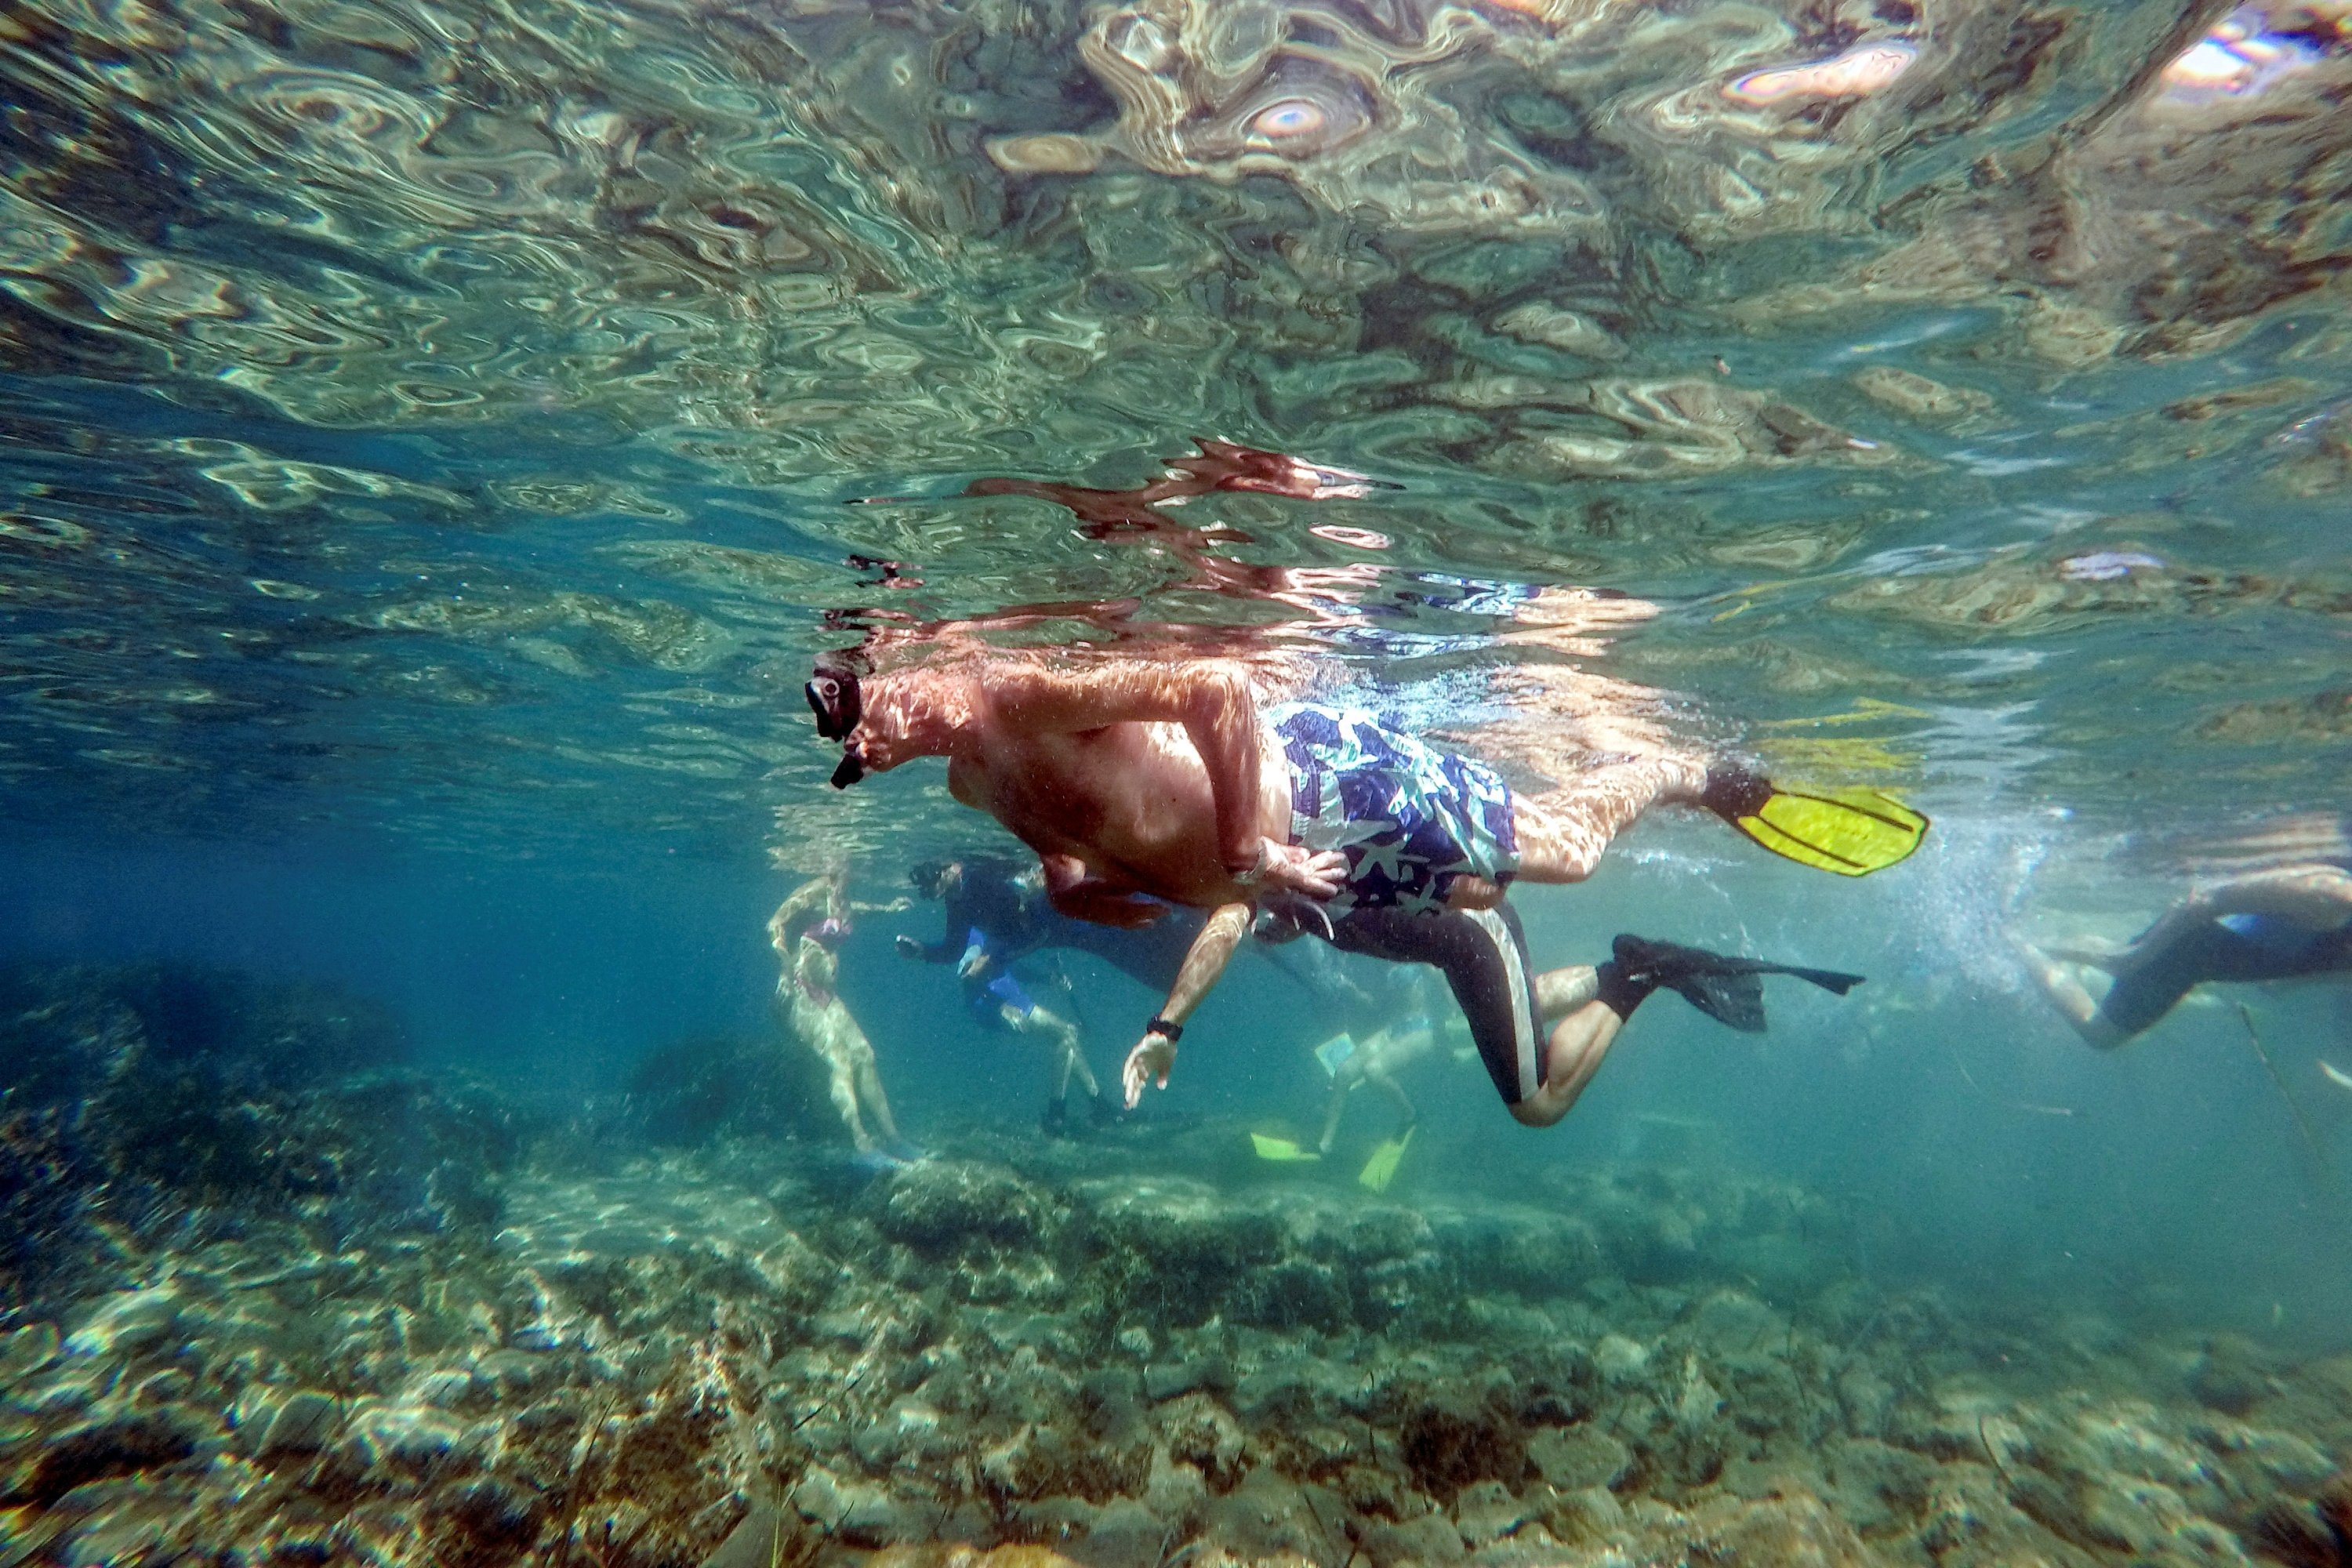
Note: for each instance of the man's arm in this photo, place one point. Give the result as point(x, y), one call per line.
point(1156, 1052)
point(947, 950)
point(1070, 890)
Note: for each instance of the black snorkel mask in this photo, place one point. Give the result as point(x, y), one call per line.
point(834, 697)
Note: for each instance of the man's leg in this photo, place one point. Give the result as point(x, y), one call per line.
point(1560, 991)
point(1343, 1084)
point(2066, 994)
point(1578, 1044)
point(1483, 955)
point(2178, 954)
point(1562, 832)
point(1395, 1091)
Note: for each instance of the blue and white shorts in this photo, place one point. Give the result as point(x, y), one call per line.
point(1410, 819)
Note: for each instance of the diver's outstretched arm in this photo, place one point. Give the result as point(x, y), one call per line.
point(1156, 1053)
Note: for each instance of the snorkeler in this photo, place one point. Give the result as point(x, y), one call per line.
point(989, 904)
point(1140, 782)
point(2289, 922)
point(1375, 1059)
point(804, 931)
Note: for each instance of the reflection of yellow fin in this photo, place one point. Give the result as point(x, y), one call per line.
point(1852, 832)
point(2335, 1074)
point(1280, 1149)
point(1382, 1168)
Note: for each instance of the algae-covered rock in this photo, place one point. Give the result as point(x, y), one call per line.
point(940, 1205)
point(1453, 1441)
point(1573, 1458)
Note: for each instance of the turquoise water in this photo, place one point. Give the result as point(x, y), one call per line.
point(437, 439)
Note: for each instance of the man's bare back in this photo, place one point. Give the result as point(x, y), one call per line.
point(1129, 778)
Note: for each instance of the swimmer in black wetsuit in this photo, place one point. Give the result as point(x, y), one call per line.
point(997, 915)
point(991, 921)
point(2291, 922)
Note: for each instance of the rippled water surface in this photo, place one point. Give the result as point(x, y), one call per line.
point(437, 436)
point(439, 418)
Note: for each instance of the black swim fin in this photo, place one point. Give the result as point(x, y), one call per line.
point(1726, 988)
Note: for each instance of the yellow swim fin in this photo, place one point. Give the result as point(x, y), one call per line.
point(1851, 831)
point(1382, 1168)
point(1280, 1150)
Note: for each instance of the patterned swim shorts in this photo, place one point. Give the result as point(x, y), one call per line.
point(1410, 819)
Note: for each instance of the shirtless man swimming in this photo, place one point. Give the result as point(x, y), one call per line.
point(1137, 780)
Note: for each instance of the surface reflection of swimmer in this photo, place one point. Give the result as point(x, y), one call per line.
point(1137, 780)
point(804, 931)
point(2290, 922)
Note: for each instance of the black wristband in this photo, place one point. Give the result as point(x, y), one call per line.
point(1618, 991)
point(1161, 1027)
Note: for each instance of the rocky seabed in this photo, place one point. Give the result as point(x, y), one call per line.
point(1008, 1356)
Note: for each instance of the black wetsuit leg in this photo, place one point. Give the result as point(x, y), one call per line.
point(1484, 956)
point(2148, 990)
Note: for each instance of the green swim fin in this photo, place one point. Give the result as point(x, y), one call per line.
point(1382, 1168)
point(1852, 831)
point(1280, 1150)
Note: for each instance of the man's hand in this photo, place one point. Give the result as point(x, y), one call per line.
point(1292, 869)
point(973, 962)
point(1150, 1062)
point(908, 947)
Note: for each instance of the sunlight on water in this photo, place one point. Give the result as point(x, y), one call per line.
point(440, 438)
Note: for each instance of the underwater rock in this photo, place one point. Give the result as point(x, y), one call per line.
point(939, 1205)
point(1918, 397)
point(1573, 1458)
point(1451, 1442)
point(26, 1350)
point(1429, 1538)
point(45, 1193)
point(1171, 1380)
point(305, 1424)
point(1620, 1360)
point(2231, 1375)
point(103, 1449)
point(636, 1358)
point(127, 1323)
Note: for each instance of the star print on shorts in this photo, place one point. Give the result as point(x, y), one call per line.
point(1410, 820)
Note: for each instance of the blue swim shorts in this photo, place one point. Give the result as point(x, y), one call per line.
point(1410, 819)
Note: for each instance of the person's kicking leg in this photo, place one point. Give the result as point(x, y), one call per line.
point(1562, 833)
